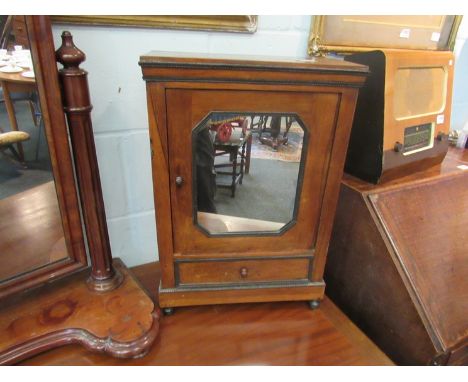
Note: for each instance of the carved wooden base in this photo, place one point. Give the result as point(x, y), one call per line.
point(314, 304)
point(123, 322)
point(106, 285)
point(219, 294)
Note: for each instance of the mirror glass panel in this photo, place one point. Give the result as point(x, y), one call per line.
point(247, 172)
point(31, 232)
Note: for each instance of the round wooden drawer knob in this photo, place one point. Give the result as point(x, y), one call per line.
point(244, 272)
point(179, 181)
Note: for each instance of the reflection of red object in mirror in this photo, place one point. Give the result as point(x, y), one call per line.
point(224, 132)
point(225, 128)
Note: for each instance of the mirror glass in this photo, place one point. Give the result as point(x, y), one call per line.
point(247, 172)
point(31, 232)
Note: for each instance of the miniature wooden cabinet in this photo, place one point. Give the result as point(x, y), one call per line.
point(269, 241)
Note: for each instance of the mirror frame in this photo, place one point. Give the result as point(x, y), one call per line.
point(43, 55)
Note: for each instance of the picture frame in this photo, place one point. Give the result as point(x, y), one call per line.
point(225, 23)
point(332, 33)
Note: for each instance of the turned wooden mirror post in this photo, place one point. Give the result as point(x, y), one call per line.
point(78, 107)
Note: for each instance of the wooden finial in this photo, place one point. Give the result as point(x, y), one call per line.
point(77, 106)
point(68, 54)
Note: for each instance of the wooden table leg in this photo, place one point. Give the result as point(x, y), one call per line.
point(247, 155)
point(11, 115)
point(234, 171)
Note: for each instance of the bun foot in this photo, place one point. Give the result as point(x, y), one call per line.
point(314, 304)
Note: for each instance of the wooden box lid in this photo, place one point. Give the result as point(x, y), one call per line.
point(231, 61)
point(172, 66)
point(426, 225)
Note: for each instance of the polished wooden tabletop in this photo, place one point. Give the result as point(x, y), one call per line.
point(31, 233)
point(17, 77)
point(286, 333)
point(11, 83)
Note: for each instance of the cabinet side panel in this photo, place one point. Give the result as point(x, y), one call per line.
point(160, 170)
point(344, 120)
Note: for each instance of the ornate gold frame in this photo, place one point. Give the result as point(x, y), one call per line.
point(316, 46)
point(242, 24)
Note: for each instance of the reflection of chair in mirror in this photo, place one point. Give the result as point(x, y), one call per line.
point(31, 97)
point(9, 139)
point(231, 139)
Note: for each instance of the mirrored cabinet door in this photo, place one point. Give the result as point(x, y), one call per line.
point(40, 231)
point(238, 169)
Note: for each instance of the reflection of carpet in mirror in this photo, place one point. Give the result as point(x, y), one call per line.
point(291, 152)
point(267, 193)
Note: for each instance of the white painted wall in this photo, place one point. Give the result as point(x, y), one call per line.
point(120, 117)
point(460, 88)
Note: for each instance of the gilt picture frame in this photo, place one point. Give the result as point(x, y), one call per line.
point(225, 23)
point(355, 33)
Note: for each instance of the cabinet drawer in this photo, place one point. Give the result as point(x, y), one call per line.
point(241, 271)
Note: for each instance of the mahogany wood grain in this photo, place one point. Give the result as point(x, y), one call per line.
point(173, 66)
point(242, 271)
point(425, 224)
point(258, 62)
point(42, 52)
point(77, 105)
point(287, 333)
point(19, 31)
point(122, 323)
point(182, 91)
point(160, 171)
point(398, 264)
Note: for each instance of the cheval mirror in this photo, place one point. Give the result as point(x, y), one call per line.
point(41, 227)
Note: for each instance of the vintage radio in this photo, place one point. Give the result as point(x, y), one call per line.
point(402, 116)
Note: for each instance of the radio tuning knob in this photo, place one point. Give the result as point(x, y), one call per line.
point(398, 147)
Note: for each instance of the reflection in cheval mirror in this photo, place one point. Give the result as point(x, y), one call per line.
point(247, 171)
point(31, 231)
